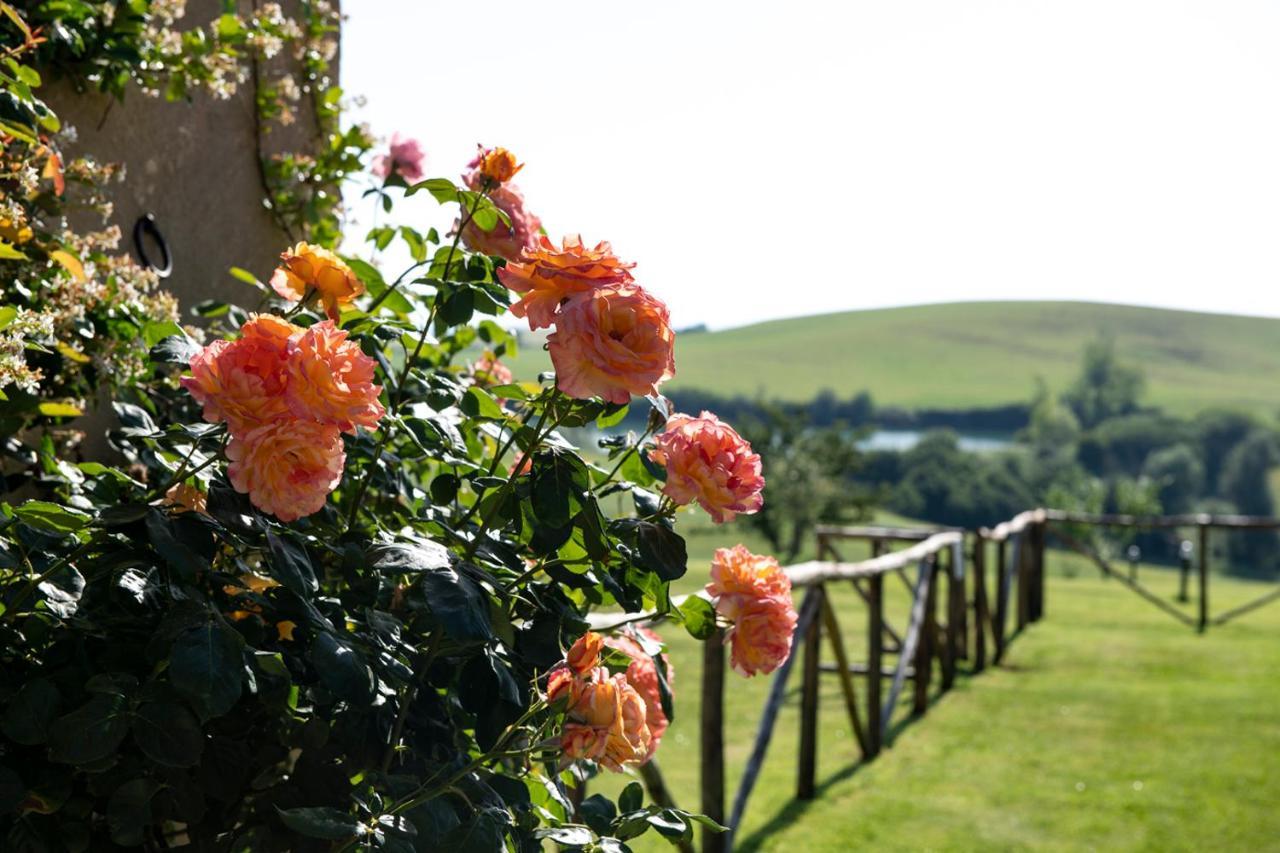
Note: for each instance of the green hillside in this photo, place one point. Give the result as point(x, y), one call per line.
point(980, 354)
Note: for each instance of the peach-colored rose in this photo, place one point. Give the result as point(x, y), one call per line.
point(584, 654)
point(496, 165)
point(307, 271)
point(642, 674)
point(760, 638)
point(606, 723)
point(612, 342)
point(243, 381)
point(547, 276)
point(184, 497)
point(404, 157)
point(489, 371)
point(503, 240)
point(331, 380)
point(738, 575)
point(287, 467)
point(708, 462)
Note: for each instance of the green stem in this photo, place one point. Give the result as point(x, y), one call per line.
point(397, 395)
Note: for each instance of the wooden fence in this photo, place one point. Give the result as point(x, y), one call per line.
point(952, 617)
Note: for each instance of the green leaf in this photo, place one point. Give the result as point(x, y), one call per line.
point(699, 617)
point(342, 670)
point(560, 481)
point(632, 798)
point(26, 719)
point(320, 822)
point(245, 276)
point(176, 349)
point(52, 517)
point(91, 732)
point(459, 603)
point(60, 410)
point(184, 542)
point(168, 734)
point(206, 666)
point(129, 812)
point(478, 403)
point(291, 565)
point(660, 549)
point(7, 315)
point(442, 190)
point(8, 252)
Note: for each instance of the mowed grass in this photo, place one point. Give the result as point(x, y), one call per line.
point(1110, 726)
point(970, 355)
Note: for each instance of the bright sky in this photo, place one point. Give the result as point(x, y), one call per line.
point(761, 160)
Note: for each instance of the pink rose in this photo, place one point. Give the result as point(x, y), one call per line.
point(243, 381)
point(503, 241)
point(287, 467)
point(331, 380)
point(404, 157)
point(708, 462)
point(612, 342)
point(760, 638)
point(737, 575)
point(489, 371)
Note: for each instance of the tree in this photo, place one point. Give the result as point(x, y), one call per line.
point(1244, 482)
point(1178, 475)
point(809, 476)
point(1105, 388)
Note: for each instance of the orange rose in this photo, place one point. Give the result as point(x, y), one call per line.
point(496, 165)
point(642, 674)
point(709, 462)
point(184, 497)
point(760, 639)
point(243, 382)
point(287, 467)
point(738, 575)
point(612, 342)
point(606, 723)
point(584, 655)
point(547, 276)
point(331, 380)
point(308, 270)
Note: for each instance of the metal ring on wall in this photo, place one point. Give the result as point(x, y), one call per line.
point(146, 227)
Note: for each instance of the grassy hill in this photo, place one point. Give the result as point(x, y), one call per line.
point(979, 354)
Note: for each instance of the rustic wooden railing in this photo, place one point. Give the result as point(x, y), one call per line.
point(1203, 525)
point(927, 643)
point(952, 571)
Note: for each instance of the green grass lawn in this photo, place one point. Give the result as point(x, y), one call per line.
point(1110, 726)
point(969, 355)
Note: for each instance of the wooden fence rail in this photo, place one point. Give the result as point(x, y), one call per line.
point(954, 615)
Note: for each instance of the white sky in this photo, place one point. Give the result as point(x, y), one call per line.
point(793, 157)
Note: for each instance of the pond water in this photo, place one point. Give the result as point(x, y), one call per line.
point(905, 439)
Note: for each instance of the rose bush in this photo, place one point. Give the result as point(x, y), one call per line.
point(334, 594)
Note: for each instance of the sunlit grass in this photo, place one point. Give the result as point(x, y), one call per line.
point(1111, 726)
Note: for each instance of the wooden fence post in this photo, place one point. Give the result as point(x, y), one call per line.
point(808, 764)
point(949, 650)
point(712, 741)
point(1023, 572)
point(832, 626)
point(1041, 539)
point(981, 616)
point(1002, 600)
point(875, 661)
point(924, 646)
point(1203, 622)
